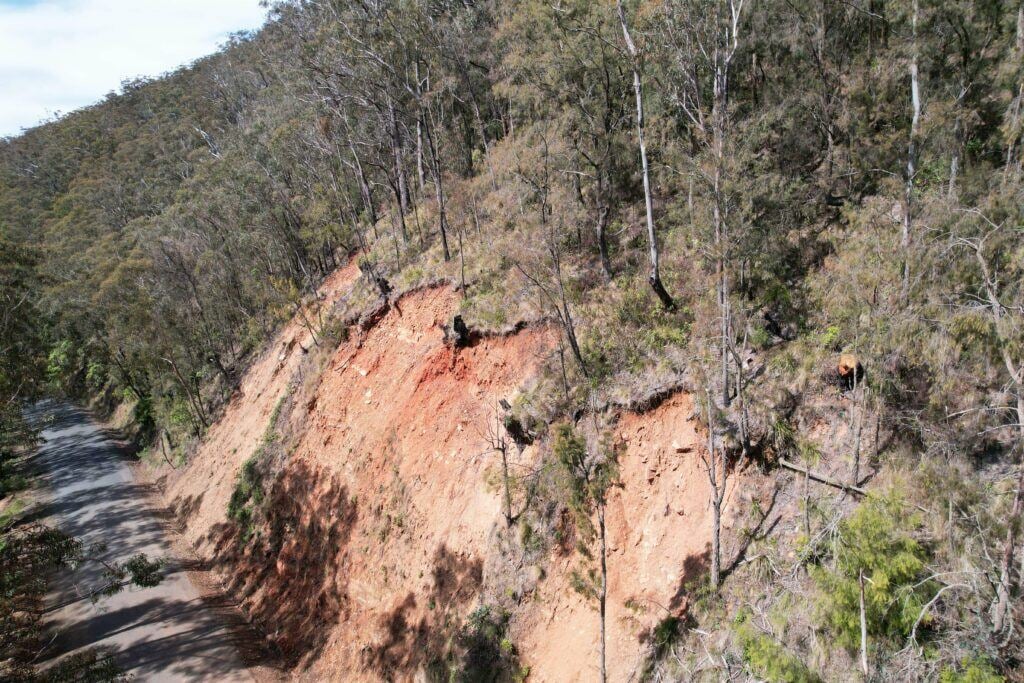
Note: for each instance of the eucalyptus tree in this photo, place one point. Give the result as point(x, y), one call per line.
point(705, 37)
point(563, 64)
point(654, 278)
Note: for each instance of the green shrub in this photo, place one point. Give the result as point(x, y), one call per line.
point(247, 496)
point(487, 653)
point(759, 338)
point(13, 483)
point(663, 636)
point(95, 375)
point(876, 540)
point(179, 414)
point(976, 670)
point(767, 659)
point(571, 452)
point(829, 338)
point(143, 415)
point(61, 362)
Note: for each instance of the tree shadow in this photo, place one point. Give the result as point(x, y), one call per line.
point(693, 566)
point(409, 643)
point(290, 569)
point(162, 636)
point(185, 508)
point(152, 632)
point(758, 533)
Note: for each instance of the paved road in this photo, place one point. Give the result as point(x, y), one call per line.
point(165, 633)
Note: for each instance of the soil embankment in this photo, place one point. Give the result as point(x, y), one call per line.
point(383, 527)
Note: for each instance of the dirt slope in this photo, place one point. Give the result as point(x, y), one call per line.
point(200, 492)
point(659, 533)
point(399, 421)
point(382, 532)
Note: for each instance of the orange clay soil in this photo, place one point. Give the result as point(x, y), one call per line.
point(659, 538)
point(382, 532)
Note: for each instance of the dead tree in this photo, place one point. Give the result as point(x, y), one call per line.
point(375, 278)
point(717, 465)
point(498, 444)
point(435, 163)
point(705, 41)
point(560, 305)
point(592, 475)
point(1012, 165)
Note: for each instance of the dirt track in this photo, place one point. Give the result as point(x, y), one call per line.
point(166, 633)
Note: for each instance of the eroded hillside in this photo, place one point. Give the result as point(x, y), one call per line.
point(379, 528)
point(792, 229)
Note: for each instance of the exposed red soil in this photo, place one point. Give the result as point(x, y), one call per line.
point(380, 531)
point(659, 539)
point(402, 419)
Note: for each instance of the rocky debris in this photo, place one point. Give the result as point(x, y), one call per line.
point(370, 319)
point(519, 434)
point(653, 397)
point(459, 335)
point(775, 326)
point(460, 332)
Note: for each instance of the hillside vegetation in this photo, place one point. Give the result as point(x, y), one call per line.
point(793, 228)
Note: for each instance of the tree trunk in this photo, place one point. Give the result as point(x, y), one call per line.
point(565, 375)
point(195, 401)
point(364, 190)
point(396, 147)
point(566, 315)
point(807, 498)
point(863, 627)
point(716, 540)
point(908, 191)
point(462, 261)
point(856, 426)
point(723, 308)
point(508, 492)
point(954, 160)
point(654, 278)
point(1001, 606)
point(717, 495)
point(439, 193)
point(1015, 107)
point(399, 204)
point(602, 239)
point(420, 175)
point(719, 123)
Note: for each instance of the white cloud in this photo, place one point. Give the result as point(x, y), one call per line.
point(59, 55)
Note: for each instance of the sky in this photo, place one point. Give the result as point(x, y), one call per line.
point(59, 55)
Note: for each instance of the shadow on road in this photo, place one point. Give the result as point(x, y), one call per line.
point(168, 632)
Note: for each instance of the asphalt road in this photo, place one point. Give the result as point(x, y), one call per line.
point(164, 633)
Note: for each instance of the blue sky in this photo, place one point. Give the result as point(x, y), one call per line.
point(59, 55)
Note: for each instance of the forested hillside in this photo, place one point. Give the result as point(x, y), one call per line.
point(806, 215)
